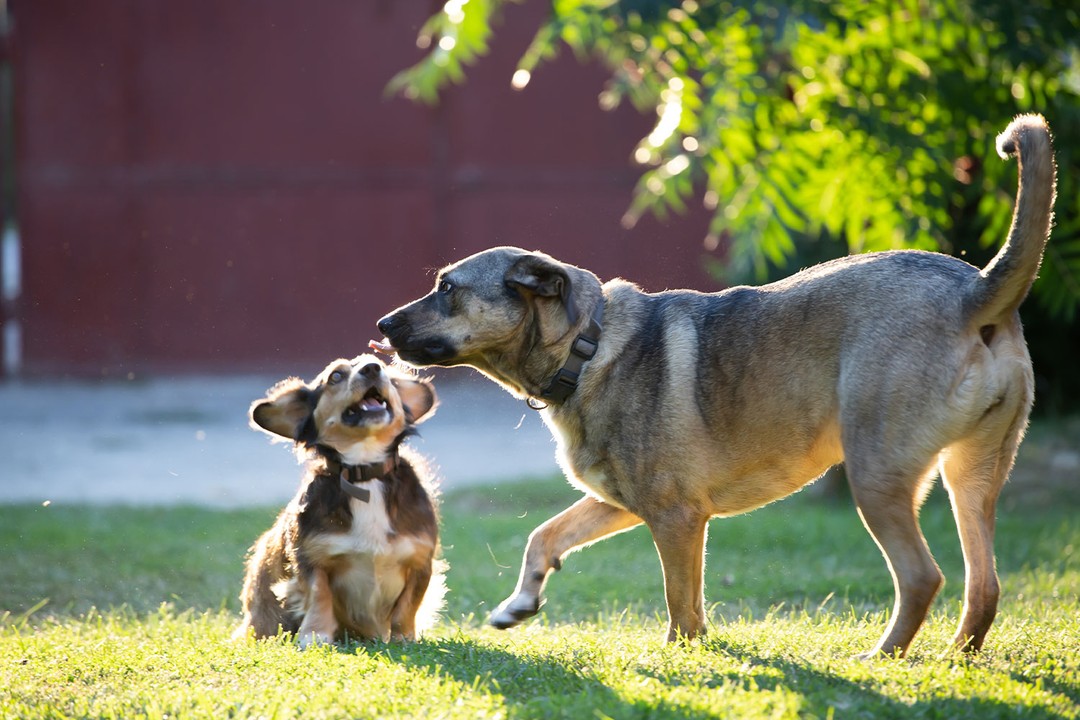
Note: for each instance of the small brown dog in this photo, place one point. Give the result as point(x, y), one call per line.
point(675, 407)
point(354, 553)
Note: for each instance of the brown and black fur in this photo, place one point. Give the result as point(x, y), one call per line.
point(900, 364)
point(316, 572)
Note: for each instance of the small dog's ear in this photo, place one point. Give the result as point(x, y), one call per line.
point(544, 277)
point(417, 396)
point(286, 409)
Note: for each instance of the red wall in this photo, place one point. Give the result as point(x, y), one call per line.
point(209, 185)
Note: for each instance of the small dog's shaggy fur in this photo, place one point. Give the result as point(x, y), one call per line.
point(354, 553)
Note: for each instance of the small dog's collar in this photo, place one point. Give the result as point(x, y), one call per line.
point(565, 381)
point(352, 474)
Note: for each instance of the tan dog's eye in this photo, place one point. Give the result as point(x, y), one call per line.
point(335, 377)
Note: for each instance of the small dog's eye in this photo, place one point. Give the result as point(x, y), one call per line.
point(445, 286)
point(335, 377)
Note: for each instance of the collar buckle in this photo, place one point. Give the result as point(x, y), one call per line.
point(352, 474)
point(583, 349)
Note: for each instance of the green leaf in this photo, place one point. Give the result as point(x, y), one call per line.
point(866, 121)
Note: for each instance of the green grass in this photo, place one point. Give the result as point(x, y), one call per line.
point(140, 604)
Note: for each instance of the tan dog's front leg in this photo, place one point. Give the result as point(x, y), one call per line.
point(584, 522)
point(680, 541)
point(319, 624)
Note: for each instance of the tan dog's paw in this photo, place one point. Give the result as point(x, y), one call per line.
point(513, 610)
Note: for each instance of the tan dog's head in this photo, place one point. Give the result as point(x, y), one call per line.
point(499, 311)
point(358, 408)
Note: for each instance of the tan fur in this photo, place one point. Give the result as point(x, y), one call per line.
point(898, 364)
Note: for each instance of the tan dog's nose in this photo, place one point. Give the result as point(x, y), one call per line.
point(371, 370)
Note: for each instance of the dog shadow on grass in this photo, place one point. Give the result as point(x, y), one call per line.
point(544, 686)
point(826, 694)
point(550, 686)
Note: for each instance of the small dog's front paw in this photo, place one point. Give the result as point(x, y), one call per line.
point(306, 640)
point(513, 611)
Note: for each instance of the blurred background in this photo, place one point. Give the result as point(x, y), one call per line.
point(211, 187)
point(200, 197)
point(228, 187)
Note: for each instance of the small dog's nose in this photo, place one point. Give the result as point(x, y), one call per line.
point(388, 323)
point(371, 370)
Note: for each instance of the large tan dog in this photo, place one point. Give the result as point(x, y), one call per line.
point(675, 407)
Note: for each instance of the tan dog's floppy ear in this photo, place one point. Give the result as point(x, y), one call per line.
point(417, 396)
point(286, 409)
point(544, 277)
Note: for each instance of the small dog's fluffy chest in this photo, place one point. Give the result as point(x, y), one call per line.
point(369, 562)
point(370, 533)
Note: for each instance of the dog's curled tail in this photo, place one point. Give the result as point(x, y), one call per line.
point(1004, 282)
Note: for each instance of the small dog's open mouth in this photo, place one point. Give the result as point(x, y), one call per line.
point(371, 406)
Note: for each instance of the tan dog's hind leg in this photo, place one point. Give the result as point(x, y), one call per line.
point(680, 541)
point(319, 623)
point(888, 503)
point(584, 522)
point(974, 471)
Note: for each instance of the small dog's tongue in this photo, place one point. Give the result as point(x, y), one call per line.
point(371, 404)
point(383, 347)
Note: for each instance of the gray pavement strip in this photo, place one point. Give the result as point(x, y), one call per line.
point(186, 440)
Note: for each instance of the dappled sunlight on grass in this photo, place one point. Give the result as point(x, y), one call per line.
point(795, 591)
point(787, 664)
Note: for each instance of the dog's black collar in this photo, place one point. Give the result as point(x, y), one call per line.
point(565, 381)
point(349, 475)
point(352, 474)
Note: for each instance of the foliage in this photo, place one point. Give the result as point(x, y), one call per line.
point(819, 127)
point(132, 629)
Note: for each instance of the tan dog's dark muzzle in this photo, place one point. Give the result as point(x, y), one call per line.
point(410, 348)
